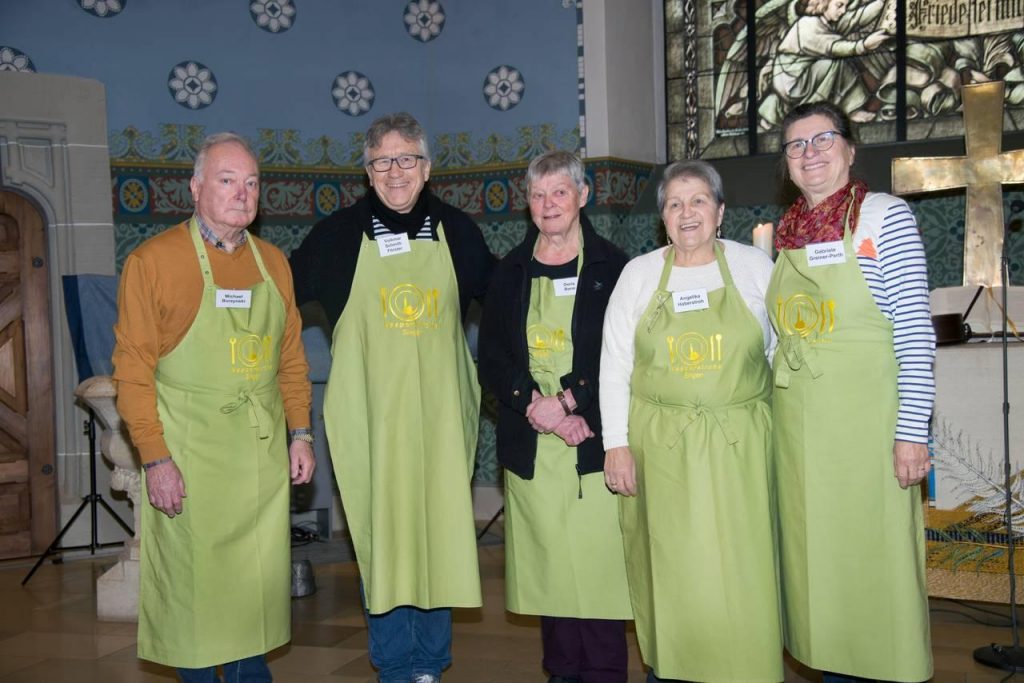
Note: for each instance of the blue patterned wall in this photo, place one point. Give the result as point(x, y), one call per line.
point(308, 76)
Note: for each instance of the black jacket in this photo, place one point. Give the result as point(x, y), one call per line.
point(324, 265)
point(504, 361)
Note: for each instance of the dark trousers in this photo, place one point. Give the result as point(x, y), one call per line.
point(249, 669)
point(591, 650)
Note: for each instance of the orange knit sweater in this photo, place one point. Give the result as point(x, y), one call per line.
point(158, 298)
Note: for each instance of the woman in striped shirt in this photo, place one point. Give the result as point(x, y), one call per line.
point(853, 395)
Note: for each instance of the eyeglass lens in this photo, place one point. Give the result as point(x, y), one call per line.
point(821, 142)
point(405, 161)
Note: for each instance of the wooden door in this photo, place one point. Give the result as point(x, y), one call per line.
point(28, 509)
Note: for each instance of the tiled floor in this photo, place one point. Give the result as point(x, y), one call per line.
point(49, 633)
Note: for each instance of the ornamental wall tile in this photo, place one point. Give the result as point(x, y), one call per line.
point(287, 198)
point(496, 195)
point(132, 194)
point(467, 195)
point(518, 200)
point(170, 195)
point(326, 198)
point(278, 147)
point(352, 191)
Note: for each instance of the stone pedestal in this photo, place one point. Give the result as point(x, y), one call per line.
point(117, 591)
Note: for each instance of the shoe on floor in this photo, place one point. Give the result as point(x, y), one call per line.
point(425, 678)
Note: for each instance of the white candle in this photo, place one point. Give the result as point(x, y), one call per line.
point(763, 237)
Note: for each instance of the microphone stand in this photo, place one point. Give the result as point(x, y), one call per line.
point(1006, 657)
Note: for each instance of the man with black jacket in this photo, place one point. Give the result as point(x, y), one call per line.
point(395, 273)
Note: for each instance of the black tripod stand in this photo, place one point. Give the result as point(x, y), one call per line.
point(1006, 657)
point(489, 524)
point(92, 500)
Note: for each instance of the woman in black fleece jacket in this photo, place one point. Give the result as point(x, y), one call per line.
point(539, 353)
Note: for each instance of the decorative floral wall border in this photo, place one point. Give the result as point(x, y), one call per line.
point(148, 191)
point(176, 143)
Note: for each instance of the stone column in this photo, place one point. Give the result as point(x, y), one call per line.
point(117, 591)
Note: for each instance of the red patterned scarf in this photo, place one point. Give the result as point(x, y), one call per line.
point(801, 225)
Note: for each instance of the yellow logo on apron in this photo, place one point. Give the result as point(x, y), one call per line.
point(543, 340)
point(692, 354)
point(250, 355)
point(806, 317)
point(410, 309)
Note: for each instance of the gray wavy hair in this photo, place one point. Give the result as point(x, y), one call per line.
point(402, 123)
point(556, 162)
point(695, 169)
point(212, 141)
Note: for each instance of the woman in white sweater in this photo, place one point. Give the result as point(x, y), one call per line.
point(685, 390)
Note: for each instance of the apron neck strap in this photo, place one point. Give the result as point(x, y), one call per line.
point(204, 259)
point(723, 267)
point(670, 260)
point(666, 270)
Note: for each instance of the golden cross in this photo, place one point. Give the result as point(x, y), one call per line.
point(983, 172)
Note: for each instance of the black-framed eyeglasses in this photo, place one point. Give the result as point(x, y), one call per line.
point(822, 142)
point(406, 161)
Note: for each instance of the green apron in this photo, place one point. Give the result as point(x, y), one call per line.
point(563, 547)
point(851, 541)
point(215, 580)
point(402, 406)
point(698, 534)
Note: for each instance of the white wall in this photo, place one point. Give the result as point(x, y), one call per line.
point(624, 73)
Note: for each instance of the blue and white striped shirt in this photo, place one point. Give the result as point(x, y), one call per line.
point(425, 232)
point(891, 256)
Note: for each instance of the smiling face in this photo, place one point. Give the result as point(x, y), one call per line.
point(398, 188)
point(227, 192)
point(555, 203)
point(819, 174)
point(691, 217)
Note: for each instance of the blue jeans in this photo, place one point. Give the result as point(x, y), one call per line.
point(250, 669)
point(408, 641)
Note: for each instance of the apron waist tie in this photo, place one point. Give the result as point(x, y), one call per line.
point(796, 353)
point(259, 418)
point(697, 410)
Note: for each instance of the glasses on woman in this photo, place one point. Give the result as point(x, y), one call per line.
point(822, 142)
point(406, 161)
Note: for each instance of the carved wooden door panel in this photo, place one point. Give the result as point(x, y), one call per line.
point(28, 510)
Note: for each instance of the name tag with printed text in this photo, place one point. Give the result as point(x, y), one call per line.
point(825, 254)
point(389, 245)
point(690, 300)
point(234, 298)
point(566, 286)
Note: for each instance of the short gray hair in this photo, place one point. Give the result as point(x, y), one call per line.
point(556, 162)
point(695, 169)
point(402, 123)
point(212, 141)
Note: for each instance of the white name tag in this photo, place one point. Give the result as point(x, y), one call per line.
point(566, 286)
point(389, 245)
point(825, 254)
point(690, 300)
point(234, 298)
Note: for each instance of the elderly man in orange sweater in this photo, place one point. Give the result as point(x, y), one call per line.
point(209, 366)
